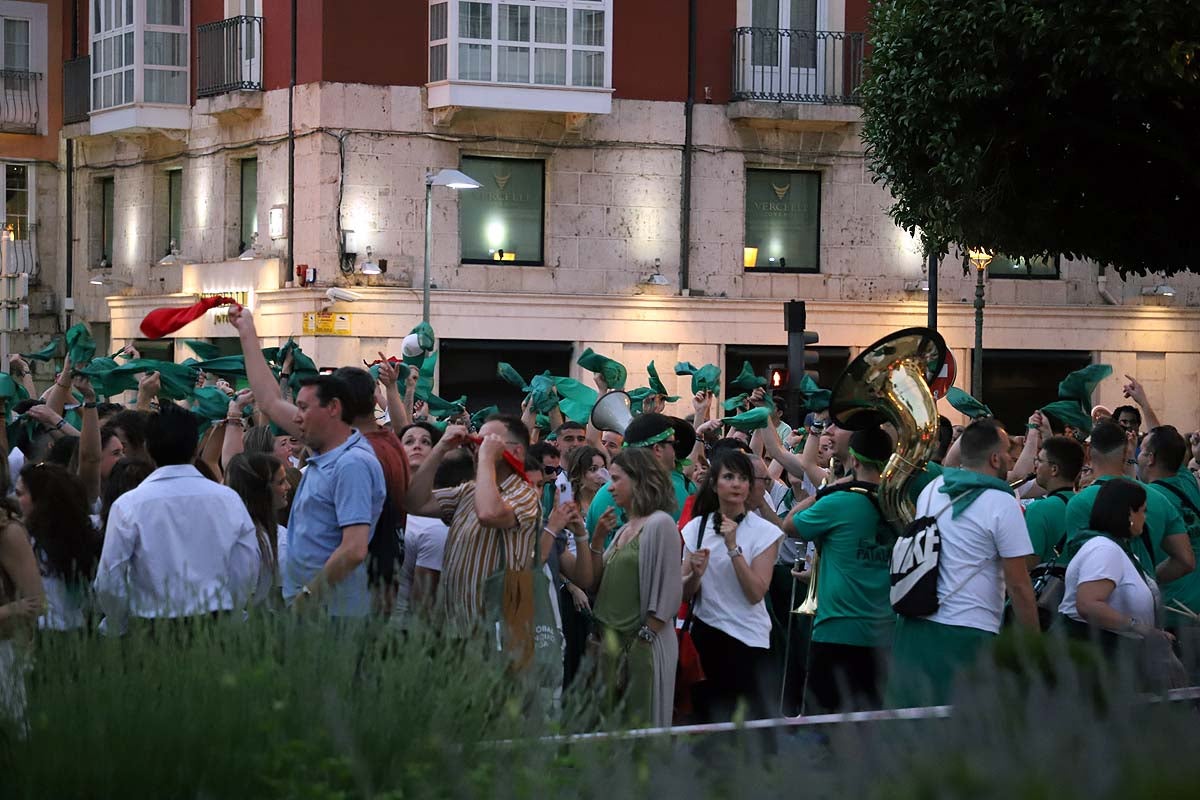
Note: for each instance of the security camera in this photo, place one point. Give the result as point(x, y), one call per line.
point(345, 295)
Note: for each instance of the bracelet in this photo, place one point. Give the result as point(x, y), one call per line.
point(91, 404)
point(60, 424)
point(1131, 461)
point(285, 375)
point(236, 421)
point(594, 550)
point(1029, 426)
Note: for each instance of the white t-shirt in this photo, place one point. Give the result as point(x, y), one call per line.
point(1102, 559)
point(722, 603)
point(424, 546)
point(970, 577)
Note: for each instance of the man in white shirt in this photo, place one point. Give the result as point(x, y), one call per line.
point(179, 545)
point(984, 543)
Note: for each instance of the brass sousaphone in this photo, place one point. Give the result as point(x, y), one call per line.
point(889, 383)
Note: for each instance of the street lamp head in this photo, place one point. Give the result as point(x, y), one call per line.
point(453, 179)
point(980, 258)
point(1161, 290)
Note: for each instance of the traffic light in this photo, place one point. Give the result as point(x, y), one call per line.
point(777, 376)
point(801, 359)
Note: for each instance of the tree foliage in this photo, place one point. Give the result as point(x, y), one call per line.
point(1038, 127)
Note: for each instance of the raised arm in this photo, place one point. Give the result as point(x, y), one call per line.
point(60, 392)
point(419, 499)
point(233, 442)
point(89, 441)
point(258, 372)
point(490, 507)
point(1135, 392)
point(398, 412)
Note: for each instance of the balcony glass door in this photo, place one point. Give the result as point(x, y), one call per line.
point(251, 35)
point(785, 49)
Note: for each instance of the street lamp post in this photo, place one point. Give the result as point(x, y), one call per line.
point(980, 259)
point(455, 180)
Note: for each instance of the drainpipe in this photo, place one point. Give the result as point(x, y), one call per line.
point(685, 202)
point(291, 150)
point(1102, 287)
point(69, 250)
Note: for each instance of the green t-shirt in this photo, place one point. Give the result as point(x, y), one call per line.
point(603, 501)
point(853, 604)
point(1046, 520)
point(1187, 589)
point(1162, 519)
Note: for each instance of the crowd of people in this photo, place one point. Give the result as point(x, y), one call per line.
point(655, 567)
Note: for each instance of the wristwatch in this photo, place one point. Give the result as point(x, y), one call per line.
point(735, 551)
point(646, 635)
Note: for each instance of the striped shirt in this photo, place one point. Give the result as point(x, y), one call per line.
point(473, 550)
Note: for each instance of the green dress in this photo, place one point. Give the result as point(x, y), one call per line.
point(619, 610)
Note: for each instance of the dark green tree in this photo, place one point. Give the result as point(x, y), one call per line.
point(1037, 127)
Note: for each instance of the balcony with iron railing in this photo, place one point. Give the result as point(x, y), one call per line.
point(77, 90)
point(797, 66)
point(230, 57)
point(20, 101)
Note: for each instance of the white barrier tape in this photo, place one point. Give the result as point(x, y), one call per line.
point(924, 712)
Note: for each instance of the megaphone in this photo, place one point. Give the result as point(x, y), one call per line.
point(612, 413)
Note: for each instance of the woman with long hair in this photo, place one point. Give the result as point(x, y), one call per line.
point(425, 537)
point(730, 558)
point(259, 479)
point(587, 471)
point(55, 509)
point(639, 590)
point(22, 602)
point(1109, 594)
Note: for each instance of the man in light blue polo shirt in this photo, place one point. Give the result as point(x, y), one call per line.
point(336, 507)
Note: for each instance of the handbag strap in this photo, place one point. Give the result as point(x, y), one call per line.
point(691, 609)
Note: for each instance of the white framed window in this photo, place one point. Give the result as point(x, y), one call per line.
point(537, 43)
point(24, 40)
point(140, 53)
point(18, 200)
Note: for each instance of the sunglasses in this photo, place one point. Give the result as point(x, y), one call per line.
point(549, 470)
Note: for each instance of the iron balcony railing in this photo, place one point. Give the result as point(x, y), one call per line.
point(77, 90)
point(797, 66)
point(20, 107)
point(230, 56)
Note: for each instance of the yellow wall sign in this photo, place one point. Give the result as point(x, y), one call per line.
point(326, 323)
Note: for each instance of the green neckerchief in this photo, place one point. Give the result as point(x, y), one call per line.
point(46, 353)
point(80, 345)
point(704, 379)
point(966, 404)
point(656, 384)
point(481, 416)
point(746, 380)
point(613, 372)
point(816, 399)
point(966, 486)
point(750, 420)
point(205, 351)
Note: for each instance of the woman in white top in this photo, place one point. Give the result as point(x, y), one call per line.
point(1108, 593)
point(55, 509)
point(731, 569)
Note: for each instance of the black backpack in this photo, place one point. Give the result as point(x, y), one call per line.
point(915, 566)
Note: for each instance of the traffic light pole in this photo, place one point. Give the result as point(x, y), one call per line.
point(795, 321)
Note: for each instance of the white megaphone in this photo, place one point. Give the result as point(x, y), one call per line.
point(612, 413)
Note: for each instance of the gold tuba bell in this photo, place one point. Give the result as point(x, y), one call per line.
point(889, 383)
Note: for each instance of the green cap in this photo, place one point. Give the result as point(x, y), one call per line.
point(746, 380)
point(614, 373)
point(80, 345)
point(966, 404)
point(750, 420)
point(704, 379)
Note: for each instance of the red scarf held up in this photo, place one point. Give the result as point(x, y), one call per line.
point(162, 321)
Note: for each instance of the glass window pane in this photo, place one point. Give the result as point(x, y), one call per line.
point(128, 49)
point(165, 49)
point(438, 21)
point(16, 44)
point(514, 23)
point(551, 27)
point(128, 85)
point(506, 214)
point(513, 65)
point(474, 62)
point(107, 198)
point(164, 12)
point(129, 13)
point(475, 20)
point(783, 218)
point(108, 92)
point(249, 200)
point(550, 67)
point(437, 63)
point(1003, 266)
point(166, 86)
point(16, 176)
point(587, 68)
point(589, 28)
